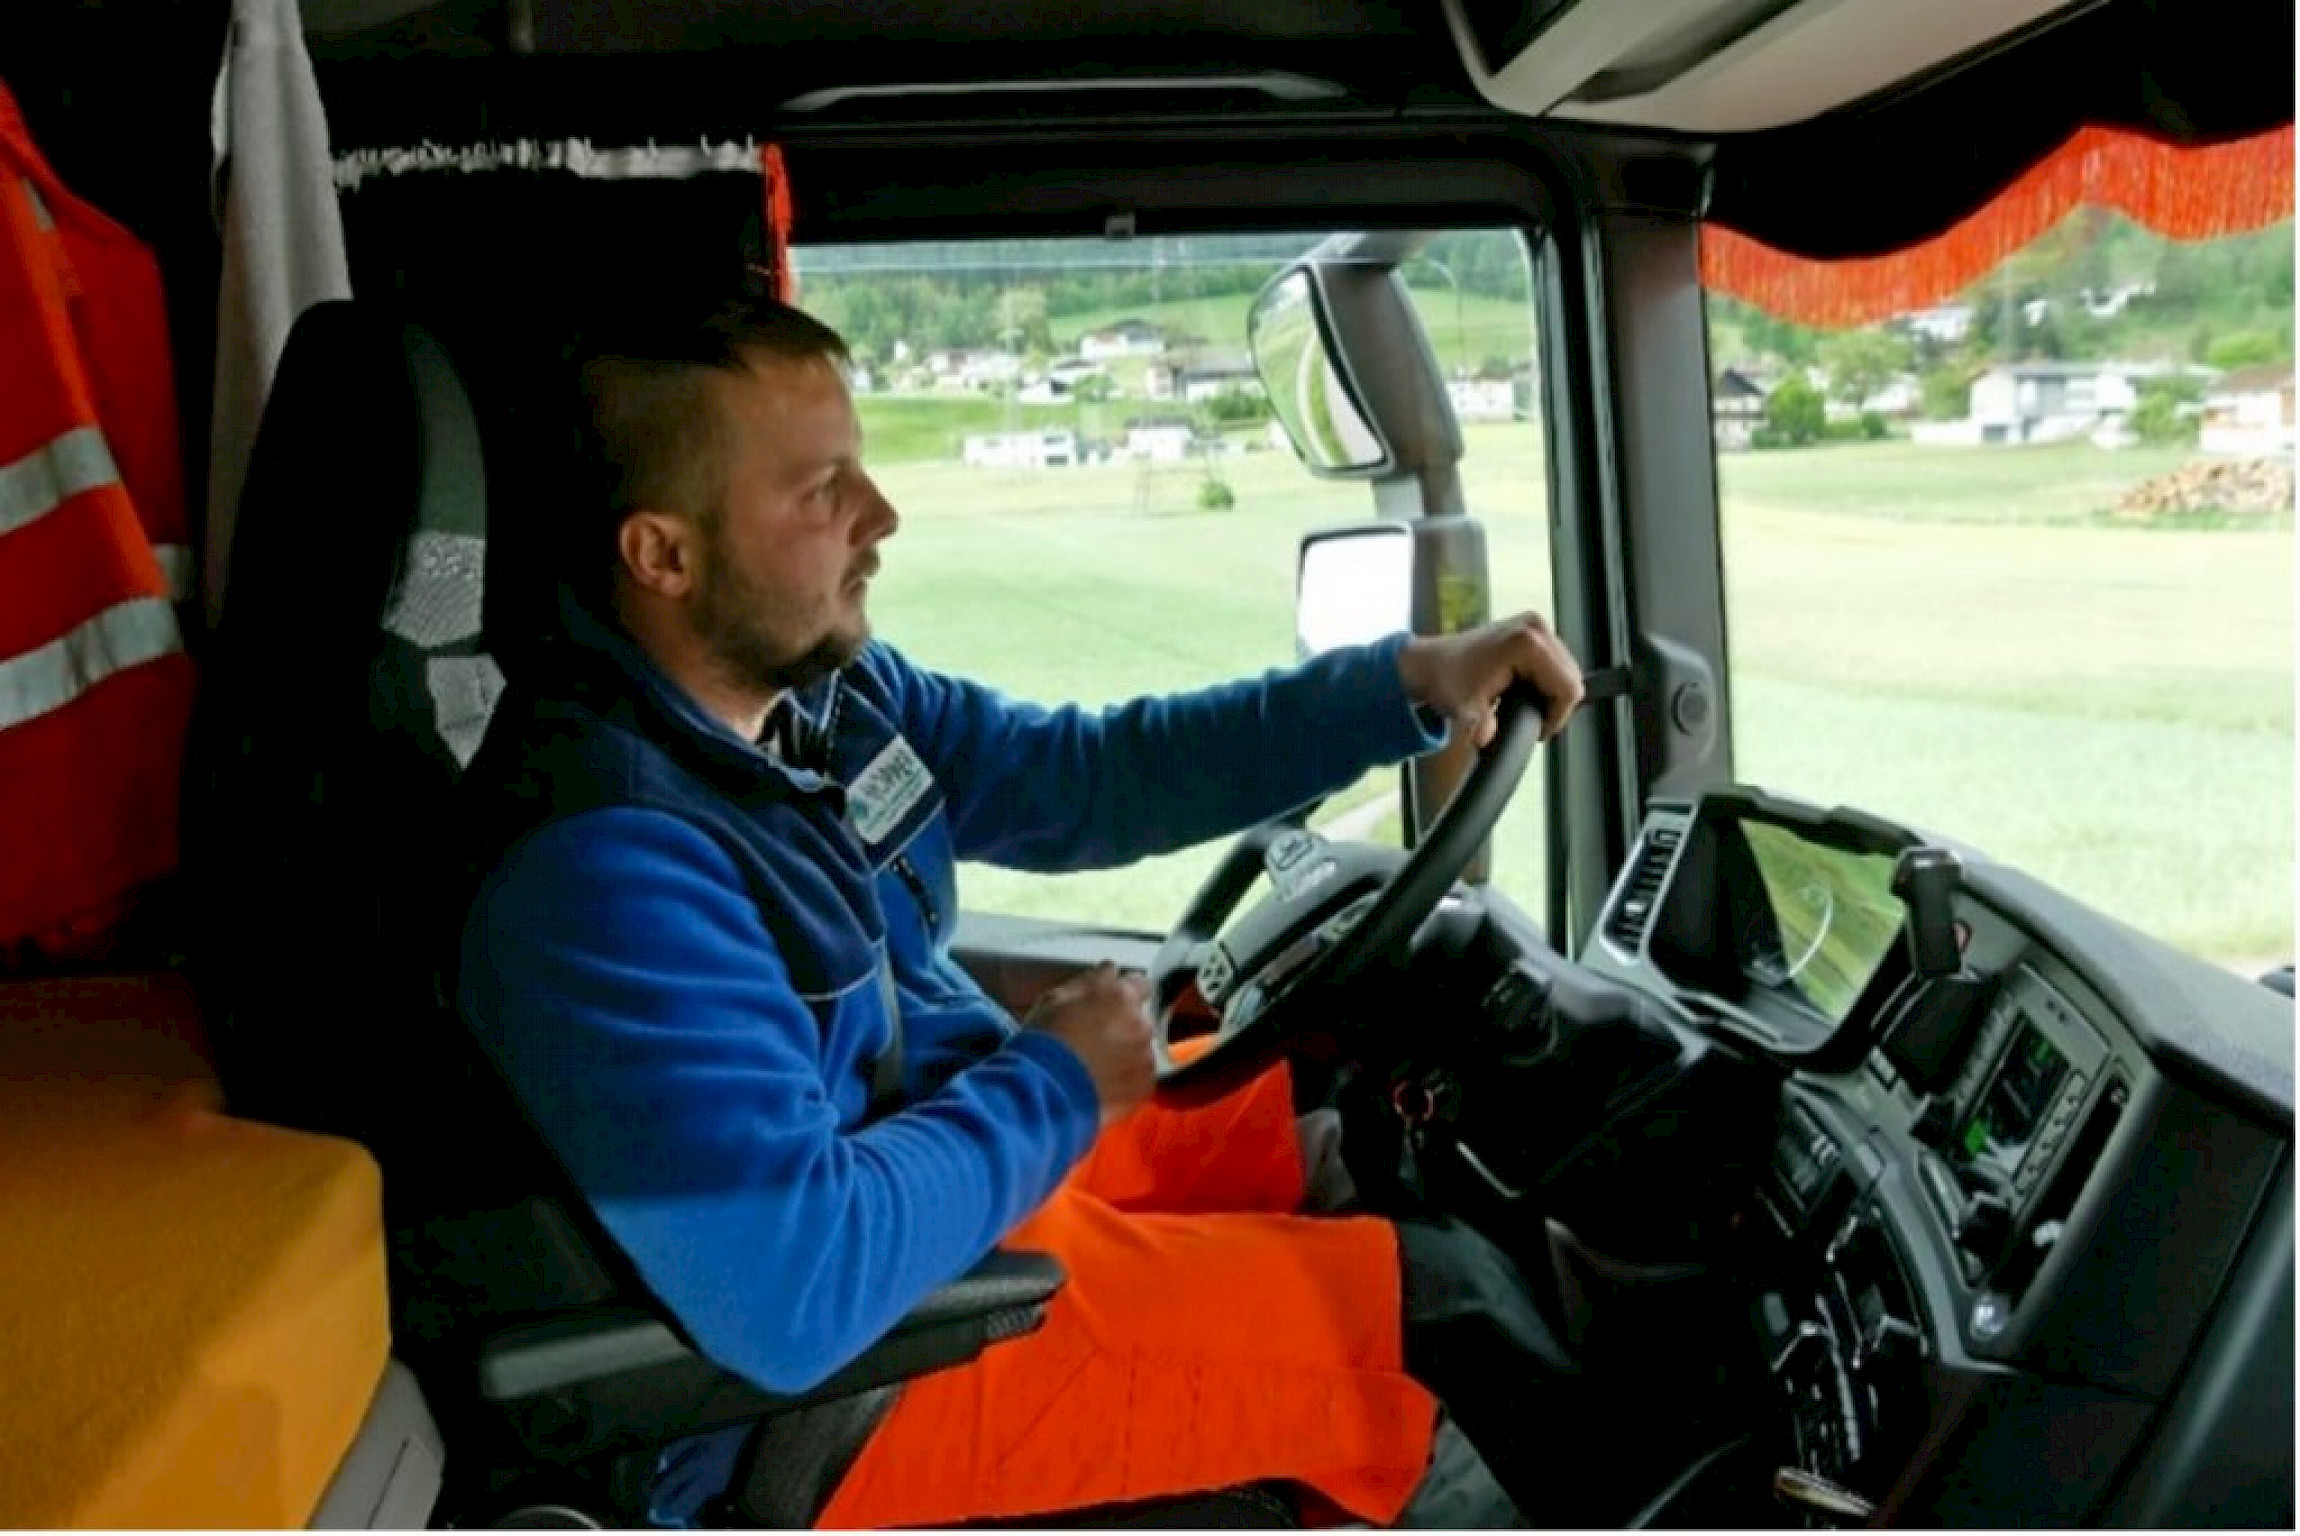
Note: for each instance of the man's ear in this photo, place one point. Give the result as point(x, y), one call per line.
point(661, 553)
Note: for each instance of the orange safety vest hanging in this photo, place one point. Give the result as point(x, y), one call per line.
point(95, 688)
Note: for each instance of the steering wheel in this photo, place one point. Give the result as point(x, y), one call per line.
point(1335, 912)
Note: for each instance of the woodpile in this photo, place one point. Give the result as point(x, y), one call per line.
point(2236, 486)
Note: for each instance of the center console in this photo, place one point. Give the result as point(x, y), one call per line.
point(1841, 1323)
point(2009, 1172)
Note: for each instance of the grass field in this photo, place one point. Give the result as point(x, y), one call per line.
point(1942, 636)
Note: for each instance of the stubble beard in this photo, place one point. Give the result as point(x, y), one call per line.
point(731, 618)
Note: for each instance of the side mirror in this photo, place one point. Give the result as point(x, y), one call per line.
point(1353, 585)
point(1291, 338)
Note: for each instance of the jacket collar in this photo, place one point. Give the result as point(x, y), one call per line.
point(609, 672)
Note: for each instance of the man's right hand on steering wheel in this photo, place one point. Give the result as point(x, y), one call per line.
point(1462, 676)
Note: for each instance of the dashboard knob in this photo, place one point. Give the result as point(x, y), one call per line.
point(1985, 1227)
point(1891, 1338)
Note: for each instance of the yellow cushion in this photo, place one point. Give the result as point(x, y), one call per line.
point(194, 1306)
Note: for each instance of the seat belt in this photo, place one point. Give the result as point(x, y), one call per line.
point(886, 1072)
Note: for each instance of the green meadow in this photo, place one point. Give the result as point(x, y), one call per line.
point(1956, 638)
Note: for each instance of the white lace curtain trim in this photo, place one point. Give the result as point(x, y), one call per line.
point(630, 162)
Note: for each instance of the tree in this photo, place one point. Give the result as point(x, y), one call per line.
point(2241, 349)
point(1785, 339)
point(1215, 495)
point(1948, 394)
point(1795, 412)
point(2160, 417)
point(1234, 407)
point(1022, 320)
point(1860, 363)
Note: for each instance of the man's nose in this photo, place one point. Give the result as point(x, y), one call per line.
point(879, 520)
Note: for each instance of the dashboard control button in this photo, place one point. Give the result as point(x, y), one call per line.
point(1991, 1316)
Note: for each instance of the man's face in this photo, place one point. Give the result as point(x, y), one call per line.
point(779, 601)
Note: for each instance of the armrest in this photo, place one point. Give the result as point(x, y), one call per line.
point(585, 1381)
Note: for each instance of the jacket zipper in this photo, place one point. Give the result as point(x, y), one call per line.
point(909, 876)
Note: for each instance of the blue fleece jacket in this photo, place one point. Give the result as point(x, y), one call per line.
point(677, 944)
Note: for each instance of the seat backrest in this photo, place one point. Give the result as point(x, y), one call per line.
point(347, 686)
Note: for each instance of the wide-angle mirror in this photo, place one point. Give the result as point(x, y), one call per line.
point(1289, 335)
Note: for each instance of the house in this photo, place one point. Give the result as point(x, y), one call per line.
point(1482, 399)
point(989, 371)
point(972, 369)
point(1737, 406)
point(1201, 374)
point(1158, 439)
point(2014, 403)
point(1049, 390)
point(1127, 338)
point(1056, 449)
point(2107, 305)
point(1900, 398)
point(1946, 323)
point(2249, 412)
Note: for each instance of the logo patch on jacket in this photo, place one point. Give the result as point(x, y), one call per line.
point(890, 786)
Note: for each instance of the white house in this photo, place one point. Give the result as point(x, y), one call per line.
point(1158, 439)
point(2111, 303)
point(2249, 412)
point(1201, 374)
point(1075, 371)
point(2015, 403)
point(1021, 450)
point(1943, 323)
point(1899, 398)
point(1128, 338)
point(989, 370)
point(1482, 399)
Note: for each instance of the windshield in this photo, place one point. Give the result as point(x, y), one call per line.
point(2018, 569)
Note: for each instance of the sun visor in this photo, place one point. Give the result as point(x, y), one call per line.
point(2187, 194)
point(2002, 129)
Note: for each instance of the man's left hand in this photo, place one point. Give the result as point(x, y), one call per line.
point(1463, 676)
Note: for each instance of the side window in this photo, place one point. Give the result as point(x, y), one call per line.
point(2019, 569)
point(1097, 504)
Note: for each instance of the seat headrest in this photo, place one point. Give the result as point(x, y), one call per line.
point(363, 526)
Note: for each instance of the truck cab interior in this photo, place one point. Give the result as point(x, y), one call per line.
point(1908, 1187)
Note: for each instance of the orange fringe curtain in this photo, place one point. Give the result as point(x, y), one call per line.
point(2188, 194)
point(782, 271)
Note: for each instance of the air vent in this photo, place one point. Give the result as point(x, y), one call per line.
point(1633, 908)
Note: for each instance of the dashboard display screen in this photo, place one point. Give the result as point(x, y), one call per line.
point(2001, 1127)
point(1830, 916)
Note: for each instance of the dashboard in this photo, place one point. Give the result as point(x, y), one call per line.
point(2029, 1183)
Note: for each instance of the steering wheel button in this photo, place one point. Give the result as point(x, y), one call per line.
point(1288, 851)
